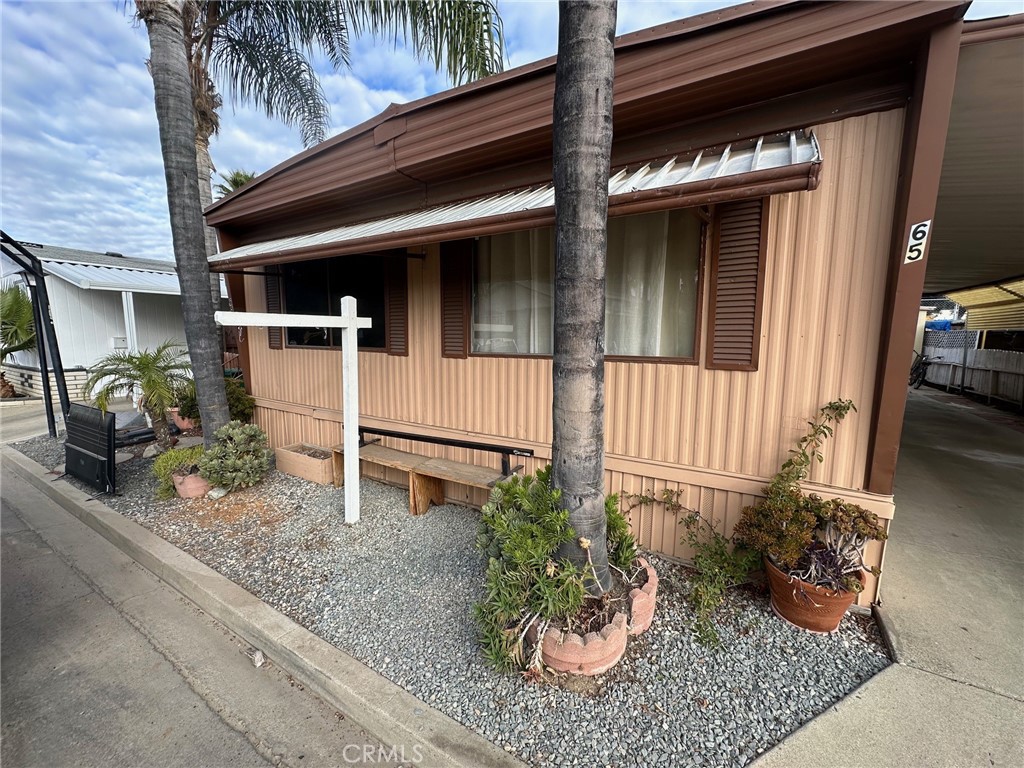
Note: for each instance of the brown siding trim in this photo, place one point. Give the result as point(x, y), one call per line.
point(396, 306)
point(236, 298)
point(795, 178)
point(920, 169)
point(715, 358)
point(275, 304)
point(990, 30)
point(456, 297)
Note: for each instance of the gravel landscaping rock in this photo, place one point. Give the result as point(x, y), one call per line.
point(396, 592)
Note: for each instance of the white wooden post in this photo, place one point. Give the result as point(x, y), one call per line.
point(350, 323)
point(350, 406)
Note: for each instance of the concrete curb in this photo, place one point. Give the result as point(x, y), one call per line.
point(387, 711)
point(889, 636)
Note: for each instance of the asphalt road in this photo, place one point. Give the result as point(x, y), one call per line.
point(102, 664)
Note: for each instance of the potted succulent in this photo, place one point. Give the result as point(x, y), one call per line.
point(537, 613)
point(185, 407)
point(813, 548)
point(177, 471)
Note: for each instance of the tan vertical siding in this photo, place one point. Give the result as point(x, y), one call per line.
point(713, 434)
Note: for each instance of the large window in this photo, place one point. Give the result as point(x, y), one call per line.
point(316, 288)
point(651, 288)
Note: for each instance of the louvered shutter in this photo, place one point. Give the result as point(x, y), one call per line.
point(272, 280)
point(456, 273)
point(396, 305)
point(737, 285)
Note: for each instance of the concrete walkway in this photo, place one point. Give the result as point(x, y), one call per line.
point(104, 665)
point(953, 595)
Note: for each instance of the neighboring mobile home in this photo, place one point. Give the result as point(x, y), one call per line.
point(100, 303)
point(770, 163)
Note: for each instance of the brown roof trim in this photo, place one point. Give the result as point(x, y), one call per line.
point(989, 30)
point(678, 28)
point(793, 178)
point(892, 13)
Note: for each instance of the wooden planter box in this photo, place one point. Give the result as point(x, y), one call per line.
point(294, 460)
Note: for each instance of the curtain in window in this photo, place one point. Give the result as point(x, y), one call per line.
point(651, 284)
point(651, 288)
point(513, 304)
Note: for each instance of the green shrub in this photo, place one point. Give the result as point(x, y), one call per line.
point(720, 567)
point(171, 461)
point(621, 542)
point(240, 402)
point(238, 459)
point(522, 528)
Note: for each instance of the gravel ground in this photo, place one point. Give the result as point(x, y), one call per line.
point(396, 591)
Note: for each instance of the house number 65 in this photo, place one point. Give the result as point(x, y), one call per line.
point(918, 240)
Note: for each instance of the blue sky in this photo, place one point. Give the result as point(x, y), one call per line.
point(80, 158)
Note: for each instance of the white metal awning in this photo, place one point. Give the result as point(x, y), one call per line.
point(98, 278)
point(720, 167)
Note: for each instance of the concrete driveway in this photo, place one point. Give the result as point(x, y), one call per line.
point(953, 594)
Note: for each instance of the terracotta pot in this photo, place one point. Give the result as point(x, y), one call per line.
point(190, 486)
point(642, 601)
point(803, 605)
point(592, 654)
point(179, 422)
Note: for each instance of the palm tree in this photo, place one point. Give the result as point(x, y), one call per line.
point(261, 52)
point(17, 329)
point(260, 49)
point(233, 180)
point(154, 375)
point(172, 90)
point(17, 321)
point(584, 77)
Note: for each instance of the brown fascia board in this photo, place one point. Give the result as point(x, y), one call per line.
point(793, 44)
point(679, 27)
point(989, 30)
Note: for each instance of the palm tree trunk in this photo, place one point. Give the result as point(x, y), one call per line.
point(173, 95)
point(205, 168)
point(584, 78)
point(161, 429)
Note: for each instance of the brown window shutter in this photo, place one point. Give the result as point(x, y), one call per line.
point(737, 285)
point(456, 273)
point(396, 305)
point(272, 280)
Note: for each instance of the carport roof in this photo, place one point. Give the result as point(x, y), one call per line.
point(978, 235)
point(109, 271)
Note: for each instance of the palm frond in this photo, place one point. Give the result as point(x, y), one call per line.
point(274, 77)
point(17, 321)
point(261, 52)
point(232, 180)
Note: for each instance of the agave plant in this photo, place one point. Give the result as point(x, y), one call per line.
point(154, 375)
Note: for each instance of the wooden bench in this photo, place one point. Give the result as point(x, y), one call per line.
point(426, 475)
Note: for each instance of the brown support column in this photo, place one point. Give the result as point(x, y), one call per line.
point(924, 142)
point(236, 297)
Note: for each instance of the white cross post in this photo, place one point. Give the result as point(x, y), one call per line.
point(350, 324)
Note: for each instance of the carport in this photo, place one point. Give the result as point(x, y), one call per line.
point(953, 585)
point(954, 569)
